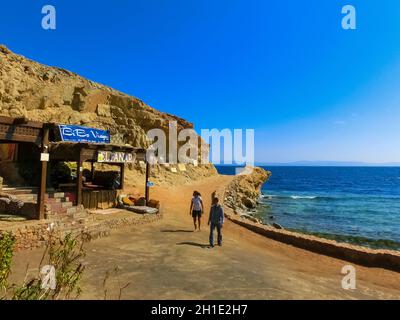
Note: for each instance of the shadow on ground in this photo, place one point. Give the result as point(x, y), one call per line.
point(176, 230)
point(194, 244)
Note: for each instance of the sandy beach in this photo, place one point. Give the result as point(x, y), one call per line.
point(166, 260)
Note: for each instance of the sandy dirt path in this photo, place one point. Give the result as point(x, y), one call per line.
point(166, 260)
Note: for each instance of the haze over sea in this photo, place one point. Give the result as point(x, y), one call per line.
point(351, 204)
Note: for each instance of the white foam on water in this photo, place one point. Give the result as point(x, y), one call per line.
point(303, 197)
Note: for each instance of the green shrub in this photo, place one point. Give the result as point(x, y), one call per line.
point(65, 257)
point(7, 242)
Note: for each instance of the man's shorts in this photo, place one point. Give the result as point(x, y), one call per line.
point(196, 213)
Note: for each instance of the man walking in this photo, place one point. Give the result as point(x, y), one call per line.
point(216, 220)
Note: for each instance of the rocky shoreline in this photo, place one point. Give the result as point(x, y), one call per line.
point(241, 199)
point(243, 193)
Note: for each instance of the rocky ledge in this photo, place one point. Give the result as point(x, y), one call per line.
point(243, 193)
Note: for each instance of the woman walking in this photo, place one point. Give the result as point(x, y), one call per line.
point(196, 209)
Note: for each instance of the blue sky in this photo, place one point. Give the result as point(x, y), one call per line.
point(311, 90)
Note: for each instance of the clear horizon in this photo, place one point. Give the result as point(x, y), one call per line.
point(321, 164)
point(310, 89)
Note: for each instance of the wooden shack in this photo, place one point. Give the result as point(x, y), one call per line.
point(42, 143)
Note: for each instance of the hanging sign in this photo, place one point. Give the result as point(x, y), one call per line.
point(45, 157)
point(114, 157)
point(74, 133)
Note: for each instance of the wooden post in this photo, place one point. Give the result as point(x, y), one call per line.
point(43, 176)
point(92, 171)
point(122, 176)
point(147, 190)
point(79, 179)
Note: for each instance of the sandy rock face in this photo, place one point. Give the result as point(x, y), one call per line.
point(50, 94)
point(243, 192)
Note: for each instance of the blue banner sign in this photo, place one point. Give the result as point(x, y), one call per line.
point(74, 133)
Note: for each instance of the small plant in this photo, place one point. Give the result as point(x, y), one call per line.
point(7, 242)
point(31, 290)
point(64, 264)
point(60, 271)
point(116, 271)
point(66, 259)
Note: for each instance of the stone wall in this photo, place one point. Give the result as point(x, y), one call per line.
point(35, 233)
point(387, 259)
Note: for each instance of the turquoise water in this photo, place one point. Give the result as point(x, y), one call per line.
point(352, 204)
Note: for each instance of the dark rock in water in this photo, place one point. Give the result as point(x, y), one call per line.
point(271, 217)
point(277, 226)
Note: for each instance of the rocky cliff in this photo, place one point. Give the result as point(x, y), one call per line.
point(243, 192)
point(50, 94)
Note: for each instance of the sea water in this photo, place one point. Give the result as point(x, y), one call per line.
point(359, 205)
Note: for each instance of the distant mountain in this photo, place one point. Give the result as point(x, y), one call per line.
point(329, 164)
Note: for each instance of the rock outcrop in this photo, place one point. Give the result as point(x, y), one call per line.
point(243, 192)
point(50, 94)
